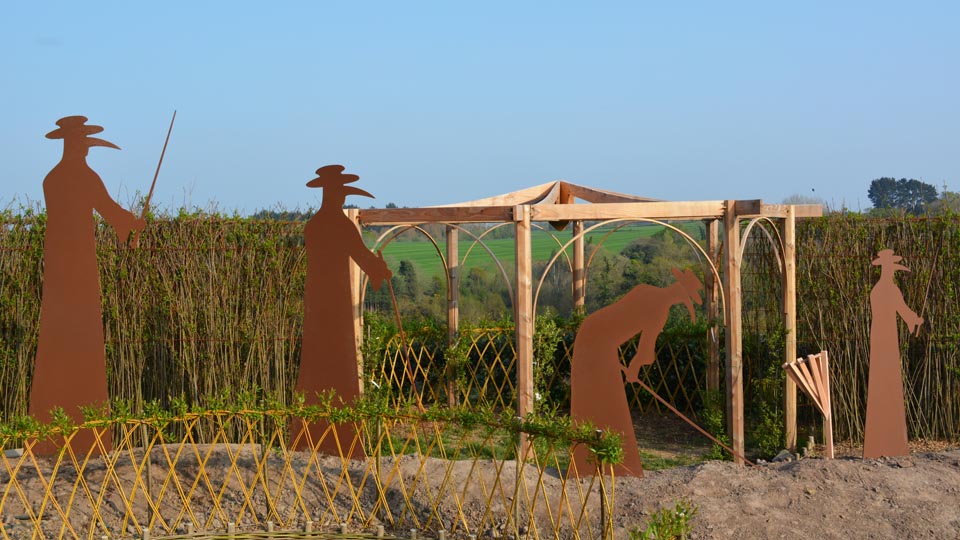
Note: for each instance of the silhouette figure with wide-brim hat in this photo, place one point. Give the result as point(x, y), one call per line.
point(597, 392)
point(70, 368)
point(328, 357)
point(885, 433)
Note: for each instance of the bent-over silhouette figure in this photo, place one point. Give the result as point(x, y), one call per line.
point(597, 391)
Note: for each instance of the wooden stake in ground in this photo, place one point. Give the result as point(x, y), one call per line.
point(812, 375)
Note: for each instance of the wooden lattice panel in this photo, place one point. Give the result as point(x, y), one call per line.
point(202, 471)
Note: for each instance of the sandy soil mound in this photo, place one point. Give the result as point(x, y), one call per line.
point(904, 498)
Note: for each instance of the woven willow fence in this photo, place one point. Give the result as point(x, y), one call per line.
point(834, 278)
point(210, 471)
point(487, 374)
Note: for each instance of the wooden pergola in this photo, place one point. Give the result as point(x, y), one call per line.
point(555, 203)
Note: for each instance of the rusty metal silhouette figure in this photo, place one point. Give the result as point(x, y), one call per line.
point(597, 392)
point(70, 369)
point(885, 433)
point(328, 357)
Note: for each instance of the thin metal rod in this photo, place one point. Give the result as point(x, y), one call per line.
point(691, 422)
point(926, 293)
point(153, 185)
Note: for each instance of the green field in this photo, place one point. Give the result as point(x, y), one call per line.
point(424, 255)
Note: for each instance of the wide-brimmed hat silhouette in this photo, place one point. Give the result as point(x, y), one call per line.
point(333, 179)
point(690, 283)
point(75, 128)
point(887, 259)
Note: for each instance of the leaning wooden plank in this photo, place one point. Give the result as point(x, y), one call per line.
point(814, 364)
point(794, 373)
point(828, 406)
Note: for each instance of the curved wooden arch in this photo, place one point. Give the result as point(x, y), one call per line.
point(397, 230)
point(479, 240)
point(395, 234)
point(558, 242)
point(777, 245)
point(626, 221)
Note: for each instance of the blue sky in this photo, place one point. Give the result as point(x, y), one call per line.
point(433, 103)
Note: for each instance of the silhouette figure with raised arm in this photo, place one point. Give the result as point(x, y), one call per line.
point(328, 355)
point(885, 433)
point(597, 392)
point(70, 369)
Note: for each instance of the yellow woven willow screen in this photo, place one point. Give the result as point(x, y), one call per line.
point(210, 471)
point(489, 377)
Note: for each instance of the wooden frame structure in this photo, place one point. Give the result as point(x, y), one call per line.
point(554, 202)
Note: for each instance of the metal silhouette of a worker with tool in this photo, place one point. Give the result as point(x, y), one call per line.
point(885, 433)
point(597, 392)
point(70, 369)
point(328, 357)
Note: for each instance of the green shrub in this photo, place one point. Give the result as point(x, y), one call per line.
point(668, 523)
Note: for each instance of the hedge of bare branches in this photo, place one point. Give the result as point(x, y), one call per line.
point(835, 277)
point(209, 305)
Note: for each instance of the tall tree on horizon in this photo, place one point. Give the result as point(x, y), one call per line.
point(912, 196)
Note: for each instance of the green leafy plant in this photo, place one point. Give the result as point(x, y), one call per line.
point(668, 523)
point(546, 337)
point(712, 417)
point(768, 436)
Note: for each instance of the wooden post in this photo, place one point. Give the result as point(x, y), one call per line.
point(790, 324)
point(524, 317)
point(453, 300)
point(713, 308)
point(356, 279)
point(734, 341)
point(579, 272)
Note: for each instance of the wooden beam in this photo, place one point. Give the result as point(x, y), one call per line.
point(648, 210)
point(530, 195)
point(734, 336)
point(453, 214)
point(713, 308)
point(790, 324)
point(561, 212)
point(579, 270)
point(524, 318)
point(595, 195)
point(799, 210)
point(453, 300)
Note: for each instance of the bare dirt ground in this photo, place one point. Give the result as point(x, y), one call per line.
point(913, 497)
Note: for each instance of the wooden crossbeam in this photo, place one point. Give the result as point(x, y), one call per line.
point(812, 375)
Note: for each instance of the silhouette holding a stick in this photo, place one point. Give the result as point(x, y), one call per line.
point(70, 369)
point(328, 357)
